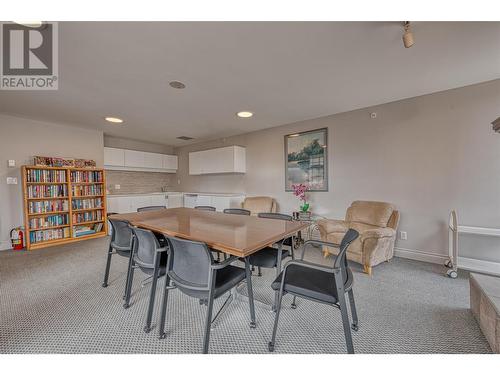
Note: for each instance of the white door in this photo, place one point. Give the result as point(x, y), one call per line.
point(190, 200)
point(152, 160)
point(134, 159)
point(204, 200)
point(195, 163)
point(158, 200)
point(220, 203)
point(114, 157)
point(175, 200)
point(170, 162)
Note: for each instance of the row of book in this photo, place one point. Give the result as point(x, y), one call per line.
point(82, 190)
point(85, 230)
point(42, 207)
point(48, 221)
point(81, 204)
point(82, 217)
point(47, 191)
point(49, 234)
point(44, 175)
point(86, 176)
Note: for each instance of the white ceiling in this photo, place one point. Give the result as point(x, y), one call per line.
point(282, 71)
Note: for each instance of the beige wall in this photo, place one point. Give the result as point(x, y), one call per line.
point(21, 139)
point(130, 144)
point(427, 155)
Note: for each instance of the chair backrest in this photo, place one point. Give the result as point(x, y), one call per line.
point(259, 204)
point(272, 215)
point(151, 208)
point(236, 211)
point(370, 212)
point(145, 246)
point(341, 260)
point(189, 264)
point(122, 235)
point(205, 208)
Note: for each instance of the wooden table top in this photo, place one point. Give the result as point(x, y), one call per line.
point(237, 235)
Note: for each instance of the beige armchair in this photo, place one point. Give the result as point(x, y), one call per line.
point(257, 205)
point(376, 222)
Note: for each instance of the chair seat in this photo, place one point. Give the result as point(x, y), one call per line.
point(288, 241)
point(226, 279)
point(308, 282)
point(267, 257)
point(122, 250)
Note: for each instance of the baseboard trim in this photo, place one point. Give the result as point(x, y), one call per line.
point(476, 265)
point(5, 245)
point(422, 256)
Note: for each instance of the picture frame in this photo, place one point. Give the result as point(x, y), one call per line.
point(306, 159)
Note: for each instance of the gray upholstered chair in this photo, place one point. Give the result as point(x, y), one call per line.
point(236, 211)
point(151, 208)
point(193, 271)
point(151, 258)
point(121, 244)
point(321, 284)
point(205, 208)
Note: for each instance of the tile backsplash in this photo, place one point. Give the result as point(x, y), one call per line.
point(137, 182)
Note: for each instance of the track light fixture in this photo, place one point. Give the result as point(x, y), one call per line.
point(408, 40)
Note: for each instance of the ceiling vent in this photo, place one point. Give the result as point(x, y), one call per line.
point(496, 125)
point(184, 138)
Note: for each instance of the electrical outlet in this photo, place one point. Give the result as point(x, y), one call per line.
point(403, 235)
point(117, 187)
point(11, 180)
point(11, 163)
point(178, 182)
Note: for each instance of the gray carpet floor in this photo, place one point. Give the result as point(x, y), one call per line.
point(51, 301)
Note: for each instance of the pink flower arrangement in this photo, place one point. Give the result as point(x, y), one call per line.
point(299, 190)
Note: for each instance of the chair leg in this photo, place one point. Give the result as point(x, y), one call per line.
point(108, 265)
point(259, 271)
point(250, 293)
point(270, 345)
point(278, 271)
point(345, 323)
point(292, 254)
point(208, 321)
point(129, 270)
point(367, 270)
point(152, 294)
point(164, 309)
point(128, 288)
point(354, 313)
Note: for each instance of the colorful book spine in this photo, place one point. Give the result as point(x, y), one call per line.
point(42, 207)
point(48, 235)
point(47, 191)
point(82, 217)
point(86, 176)
point(45, 175)
point(48, 221)
point(81, 204)
point(83, 190)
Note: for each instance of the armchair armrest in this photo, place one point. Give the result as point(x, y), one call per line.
point(377, 233)
point(332, 226)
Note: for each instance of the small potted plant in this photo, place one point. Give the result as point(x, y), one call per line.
point(299, 190)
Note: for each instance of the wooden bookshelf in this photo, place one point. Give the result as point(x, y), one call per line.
point(49, 200)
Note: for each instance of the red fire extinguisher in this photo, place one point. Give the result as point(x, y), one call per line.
point(17, 238)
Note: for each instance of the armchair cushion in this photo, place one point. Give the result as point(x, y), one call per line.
point(332, 226)
point(257, 205)
point(372, 213)
point(377, 233)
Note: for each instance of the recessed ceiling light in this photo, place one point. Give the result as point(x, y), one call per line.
point(177, 85)
point(114, 120)
point(244, 114)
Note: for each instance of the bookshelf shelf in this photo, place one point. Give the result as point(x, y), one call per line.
point(61, 180)
point(45, 228)
point(48, 213)
point(89, 209)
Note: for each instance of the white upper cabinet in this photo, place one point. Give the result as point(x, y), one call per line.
point(169, 162)
point(114, 157)
point(129, 160)
point(230, 159)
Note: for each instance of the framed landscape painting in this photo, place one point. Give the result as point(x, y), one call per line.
point(306, 160)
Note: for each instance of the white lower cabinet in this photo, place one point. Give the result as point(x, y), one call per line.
point(130, 203)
